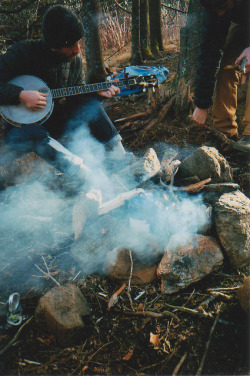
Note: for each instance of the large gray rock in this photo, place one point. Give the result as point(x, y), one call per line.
point(206, 162)
point(187, 261)
point(61, 310)
point(232, 220)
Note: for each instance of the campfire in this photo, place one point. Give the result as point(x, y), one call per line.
point(168, 224)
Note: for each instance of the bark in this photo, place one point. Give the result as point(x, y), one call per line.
point(145, 30)
point(155, 26)
point(136, 57)
point(94, 59)
point(189, 49)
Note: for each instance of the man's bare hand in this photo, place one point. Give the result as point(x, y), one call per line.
point(112, 90)
point(33, 99)
point(199, 115)
point(245, 53)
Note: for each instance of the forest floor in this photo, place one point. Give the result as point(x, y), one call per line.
point(117, 344)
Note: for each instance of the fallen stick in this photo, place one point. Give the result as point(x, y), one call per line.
point(189, 310)
point(177, 368)
point(198, 373)
point(113, 299)
point(196, 186)
point(150, 314)
point(135, 116)
point(15, 336)
point(222, 137)
point(160, 116)
point(223, 288)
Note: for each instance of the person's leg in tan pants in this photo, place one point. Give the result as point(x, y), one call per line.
point(244, 143)
point(225, 93)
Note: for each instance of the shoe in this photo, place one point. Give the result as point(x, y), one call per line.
point(243, 144)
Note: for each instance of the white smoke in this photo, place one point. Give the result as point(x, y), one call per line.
point(36, 216)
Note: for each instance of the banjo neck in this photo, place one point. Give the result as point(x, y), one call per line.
point(19, 115)
point(90, 88)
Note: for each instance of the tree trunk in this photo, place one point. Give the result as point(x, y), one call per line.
point(155, 26)
point(144, 30)
point(136, 57)
point(94, 59)
point(189, 49)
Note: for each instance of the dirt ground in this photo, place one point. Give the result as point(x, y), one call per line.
point(117, 343)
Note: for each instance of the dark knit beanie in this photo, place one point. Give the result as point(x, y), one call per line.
point(61, 27)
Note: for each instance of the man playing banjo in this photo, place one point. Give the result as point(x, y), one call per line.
point(55, 60)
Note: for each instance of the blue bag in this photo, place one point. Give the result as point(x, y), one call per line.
point(134, 70)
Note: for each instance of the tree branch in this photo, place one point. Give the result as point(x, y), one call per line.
point(124, 9)
point(175, 9)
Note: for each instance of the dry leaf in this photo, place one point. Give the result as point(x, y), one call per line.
point(140, 307)
point(154, 339)
point(85, 368)
point(47, 341)
point(128, 356)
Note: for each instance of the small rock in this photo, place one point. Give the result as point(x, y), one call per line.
point(243, 295)
point(187, 261)
point(207, 162)
point(118, 267)
point(232, 221)
point(140, 171)
point(61, 311)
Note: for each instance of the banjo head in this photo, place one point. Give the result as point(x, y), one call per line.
point(20, 114)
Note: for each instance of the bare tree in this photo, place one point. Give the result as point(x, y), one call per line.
point(136, 57)
point(94, 59)
point(145, 30)
point(155, 26)
point(189, 48)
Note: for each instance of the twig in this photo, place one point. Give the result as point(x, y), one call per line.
point(100, 348)
point(135, 116)
point(113, 299)
point(189, 310)
point(131, 270)
point(224, 288)
point(165, 360)
point(177, 368)
point(207, 346)
point(129, 281)
point(160, 116)
point(175, 9)
point(217, 293)
point(149, 314)
point(48, 272)
point(15, 336)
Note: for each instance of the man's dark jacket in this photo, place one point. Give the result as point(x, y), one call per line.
point(33, 57)
point(213, 37)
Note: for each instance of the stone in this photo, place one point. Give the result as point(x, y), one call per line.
point(187, 261)
point(232, 222)
point(206, 162)
point(61, 310)
point(118, 267)
point(243, 295)
point(140, 171)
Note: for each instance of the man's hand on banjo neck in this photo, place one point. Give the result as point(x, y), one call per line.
point(34, 100)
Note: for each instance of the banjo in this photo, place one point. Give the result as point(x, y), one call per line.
point(19, 115)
